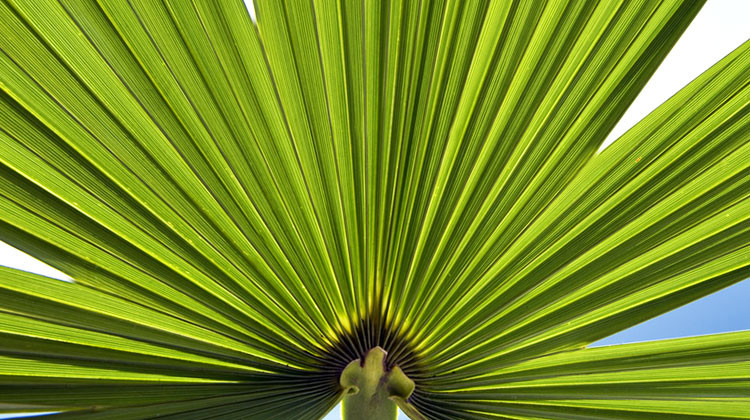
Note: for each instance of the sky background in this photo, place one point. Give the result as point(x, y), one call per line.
point(720, 27)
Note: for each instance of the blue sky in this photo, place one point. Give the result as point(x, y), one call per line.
point(726, 310)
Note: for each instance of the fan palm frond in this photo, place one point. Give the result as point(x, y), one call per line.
point(390, 203)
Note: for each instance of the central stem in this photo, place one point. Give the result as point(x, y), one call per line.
point(372, 392)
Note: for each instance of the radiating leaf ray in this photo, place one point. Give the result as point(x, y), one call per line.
point(682, 378)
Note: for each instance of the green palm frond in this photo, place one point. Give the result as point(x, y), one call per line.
point(381, 202)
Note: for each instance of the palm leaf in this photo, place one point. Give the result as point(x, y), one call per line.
point(255, 214)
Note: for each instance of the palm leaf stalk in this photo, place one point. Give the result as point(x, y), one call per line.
point(389, 203)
